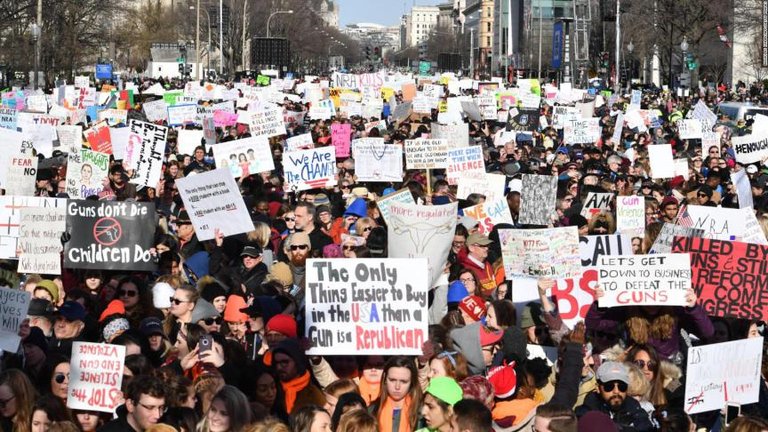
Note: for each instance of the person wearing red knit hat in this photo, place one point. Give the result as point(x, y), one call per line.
point(236, 320)
point(115, 307)
point(279, 328)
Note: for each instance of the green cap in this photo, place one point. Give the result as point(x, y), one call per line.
point(446, 389)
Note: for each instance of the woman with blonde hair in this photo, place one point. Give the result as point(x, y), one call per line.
point(260, 236)
point(638, 388)
point(17, 398)
point(228, 412)
point(364, 226)
point(337, 388)
point(270, 424)
point(358, 420)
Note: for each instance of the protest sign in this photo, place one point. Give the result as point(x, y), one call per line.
point(665, 238)
point(689, 128)
point(582, 131)
point(729, 277)
point(422, 232)
point(526, 119)
point(630, 215)
point(82, 82)
point(723, 373)
point(537, 202)
point(99, 138)
point(14, 304)
point(245, 156)
point(718, 222)
point(213, 201)
point(267, 122)
point(156, 110)
point(37, 103)
point(70, 138)
point(703, 113)
point(662, 161)
point(403, 196)
point(455, 135)
point(491, 186)
point(20, 175)
point(550, 252)
point(596, 202)
point(145, 151)
point(10, 219)
point(630, 280)
point(8, 118)
point(426, 154)
point(39, 243)
point(562, 115)
point(376, 161)
point(465, 162)
point(341, 137)
point(308, 169)
point(740, 179)
point(120, 137)
point(110, 235)
point(189, 139)
point(299, 142)
point(180, 115)
point(96, 377)
point(751, 148)
point(114, 117)
point(575, 295)
point(86, 172)
point(366, 306)
point(489, 214)
point(618, 128)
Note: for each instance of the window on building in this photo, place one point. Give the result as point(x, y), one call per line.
point(488, 26)
point(487, 41)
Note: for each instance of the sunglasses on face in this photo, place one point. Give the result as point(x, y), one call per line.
point(299, 247)
point(211, 321)
point(124, 293)
point(642, 364)
point(609, 386)
point(60, 377)
point(349, 247)
point(289, 219)
point(177, 301)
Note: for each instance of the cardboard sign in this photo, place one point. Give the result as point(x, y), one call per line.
point(70, 138)
point(86, 172)
point(574, 296)
point(20, 175)
point(426, 154)
point(646, 280)
point(145, 150)
point(728, 276)
point(489, 214)
point(465, 162)
point(267, 122)
point(403, 196)
point(547, 253)
point(663, 242)
point(456, 135)
point(723, 373)
point(751, 148)
point(40, 232)
point(156, 110)
point(366, 306)
point(491, 186)
point(662, 161)
point(537, 203)
point(689, 128)
point(703, 113)
point(299, 142)
point(213, 201)
point(582, 131)
point(630, 215)
point(377, 162)
point(341, 137)
point(14, 304)
point(180, 115)
point(10, 219)
point(309, 169)
point(110, 235)
point(244, 157)
point(95, 377)
point(422, 232)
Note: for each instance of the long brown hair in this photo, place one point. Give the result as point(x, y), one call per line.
point(414, 392)
point(24, 394)
point(656, 391)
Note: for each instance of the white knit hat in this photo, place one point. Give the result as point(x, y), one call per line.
point(161, 295)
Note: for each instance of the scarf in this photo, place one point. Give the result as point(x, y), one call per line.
point(387, 416)
point(369, 391)
point(292, 388)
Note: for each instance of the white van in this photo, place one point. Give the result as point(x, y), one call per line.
point(740, 110)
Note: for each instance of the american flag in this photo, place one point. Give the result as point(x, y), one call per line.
point(683, 217)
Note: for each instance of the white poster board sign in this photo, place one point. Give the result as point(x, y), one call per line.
point(40, 245)
point(647, 280)
point(549, 252)
point(309, 169)
point(14, 304)
point(95, 377)
point(245, 156)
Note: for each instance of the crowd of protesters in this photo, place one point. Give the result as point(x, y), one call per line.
point(622, 369)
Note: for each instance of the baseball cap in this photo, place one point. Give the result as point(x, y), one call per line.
point(474, 306)
point(446, 389)
point(151, 326)
point(488, 336)
point(478, 239)
point(613, 371)
point(72, 311)
point(251, 251)
point(40, 307)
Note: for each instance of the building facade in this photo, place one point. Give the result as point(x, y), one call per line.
point(419, 23)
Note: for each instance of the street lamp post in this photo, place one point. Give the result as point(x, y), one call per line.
point(36, 37)
point(275, 13)
point(630, 48)
point(684, 49)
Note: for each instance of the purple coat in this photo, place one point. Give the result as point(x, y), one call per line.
point(693, 320)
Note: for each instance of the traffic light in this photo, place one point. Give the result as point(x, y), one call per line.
point(189, 70)
point(368, 53)
point(181, 68)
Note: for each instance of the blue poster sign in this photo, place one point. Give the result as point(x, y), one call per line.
point(557, 45)
point(103, 71)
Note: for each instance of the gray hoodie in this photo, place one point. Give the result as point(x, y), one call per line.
point(467, 340)
point(203, 310)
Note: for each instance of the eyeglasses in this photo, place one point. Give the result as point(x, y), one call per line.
point(466, 280)
point(299, 247)
point(289, 219)
point(642, 364)
point(366, 229)
point(211, 321)
point(713, 152)
point(60, 377)
point(701, 195)
point(4, 402)
point(491, 348)
point(177, 301)
point(124, 293)
point(348, 247)
point(160, 408)
point(458, 243)
point(609, 386)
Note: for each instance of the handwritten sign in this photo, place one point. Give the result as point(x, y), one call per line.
point(40, 239)
point(244, 157)
point(666, 237)
point(489, 214)
point(213, 201)
point(179, 115)
point(267, 122)
point(537, 203)
point(86, 172)
point(341, 137)
point(21, 174)
point(14, 304)
point(465, 162)
point(550, 253)
point(426, 154)
point(309, 169)
point(145, 150)
point(403, 196)
point(366, 306)
point(721, 373)
point(376, 161)
point(299, 142)
point(95, 377)
point(630, 215)
point(582, 131)
point(99, 138)
point(630, 280)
